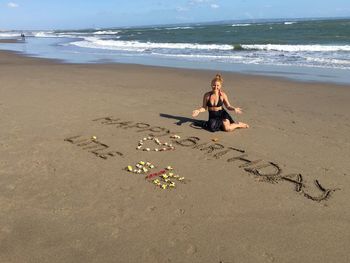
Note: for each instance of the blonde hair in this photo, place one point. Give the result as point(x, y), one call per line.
point(218, 78)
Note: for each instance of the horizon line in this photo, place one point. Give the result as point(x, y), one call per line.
point(252, 20)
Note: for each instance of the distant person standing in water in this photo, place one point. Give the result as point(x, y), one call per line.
point(214, 101)
point(23, 37)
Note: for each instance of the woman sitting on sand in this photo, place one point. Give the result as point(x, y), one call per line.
point(214, 100)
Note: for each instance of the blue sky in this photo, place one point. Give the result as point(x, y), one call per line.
point(64, 14)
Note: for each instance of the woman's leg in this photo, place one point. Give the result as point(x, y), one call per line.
point(232, 126)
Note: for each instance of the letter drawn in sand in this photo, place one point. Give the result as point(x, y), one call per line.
point(246, 161)
point(296, 179)
point(200, 146)
point(267, 171)
point(138, 125)
point(96, 144)
point(109, 121)
point(325, 193)
point(105, 155)
point(114, 121)
point(93, 145)
point(120, 124)
point(74, 140)
point(157, 130)
point(103, 118)
point(222, 153)
point(272, 175)
point(152, 129)
point(189, 142)
point(213, 147)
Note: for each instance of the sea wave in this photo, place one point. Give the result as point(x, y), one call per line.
point(72, 33)
point(203, 56)
point(329, 61)
point(9, 34)
point(179, 27)
point(44, 34)
point(106, 32)
point(298, 48)
point(52, 34)
point(93, 42)
point(241, 24)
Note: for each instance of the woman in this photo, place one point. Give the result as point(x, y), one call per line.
point(214, 100)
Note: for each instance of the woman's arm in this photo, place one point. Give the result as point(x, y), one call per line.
point(203, 108)
point(228, 105)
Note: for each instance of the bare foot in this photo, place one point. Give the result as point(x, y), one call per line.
point(242, 125)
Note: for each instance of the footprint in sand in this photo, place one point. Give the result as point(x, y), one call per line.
point(129, 198)
point(191, 249)
point(125, 188)
point(115, 233)
point(182, 196)
point(269, 257)
point(186, 227)
point(180, 211)
point(222, 253)
point(151, 209)
point(153, 255)
point(172, 242)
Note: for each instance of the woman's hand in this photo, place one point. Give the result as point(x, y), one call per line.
point(238, 110)
point(195, 113)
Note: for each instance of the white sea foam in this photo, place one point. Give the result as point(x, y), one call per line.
point(299, 48)
point(93, 42)
point(178, 27)
point(289, 23)
point(328, 61)
point(106, 32)
point(51, 34)
point(72, 33)
point(203, 56)
point(10, 34)
point(241, 25)
point(44, 34)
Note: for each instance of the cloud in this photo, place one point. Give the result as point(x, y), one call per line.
point(197, 2)
point(193, 4)
point(182, 9)
point(203, 3)
point(12, 5)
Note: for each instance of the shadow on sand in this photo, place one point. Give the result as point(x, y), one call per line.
point(196, 124)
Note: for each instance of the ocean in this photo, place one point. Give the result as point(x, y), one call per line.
point(314, 50)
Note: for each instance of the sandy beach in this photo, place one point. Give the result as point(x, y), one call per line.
point(276, 192)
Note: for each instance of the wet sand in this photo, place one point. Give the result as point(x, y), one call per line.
point(9, 41)
point(276, 192)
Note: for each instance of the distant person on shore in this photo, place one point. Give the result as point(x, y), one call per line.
point(214, 101)
point(23, 37)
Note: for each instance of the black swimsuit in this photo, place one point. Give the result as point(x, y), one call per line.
point(220, 102)
point(216, 118)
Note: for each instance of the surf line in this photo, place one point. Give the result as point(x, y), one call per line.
point(266, 171)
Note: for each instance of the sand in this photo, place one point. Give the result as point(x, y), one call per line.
point(251, 196)
point(9, 41)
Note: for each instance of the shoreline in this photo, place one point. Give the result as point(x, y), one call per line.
point(67, 198)
point(9, 41)
point(256, 75)
point(294, 73)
